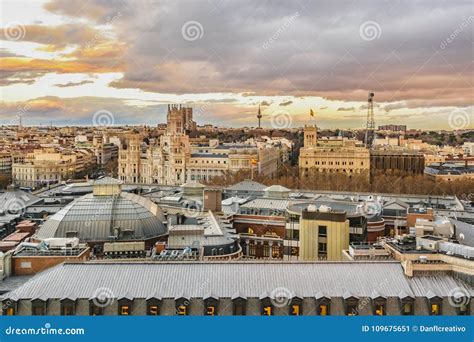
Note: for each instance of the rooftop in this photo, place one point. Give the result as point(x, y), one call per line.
point(249, 279)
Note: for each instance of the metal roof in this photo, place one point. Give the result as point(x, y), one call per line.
point(247, 185)
point(107, 181)
point(249, 279)
point(464, 232)
point(14, 203)
point(267, 203)
point(94, 217)
point(276, 188)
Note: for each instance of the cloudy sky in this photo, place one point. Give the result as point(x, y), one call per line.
point(63, 61)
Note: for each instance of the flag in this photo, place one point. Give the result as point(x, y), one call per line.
point(311, 112)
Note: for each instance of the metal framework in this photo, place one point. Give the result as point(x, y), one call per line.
point(370, 127)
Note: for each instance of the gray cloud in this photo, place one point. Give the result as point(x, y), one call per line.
point(346, 109)
point(73, 84)
point(319, 53)
point(286, 103)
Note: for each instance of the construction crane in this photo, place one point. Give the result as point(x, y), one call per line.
point(370, 127)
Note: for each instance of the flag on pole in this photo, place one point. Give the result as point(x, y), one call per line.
point(311, 112)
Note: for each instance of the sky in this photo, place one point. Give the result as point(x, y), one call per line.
point(69, 62)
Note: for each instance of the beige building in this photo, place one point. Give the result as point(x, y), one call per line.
point(46, 166)
point(324, 234)
point(5, 163)
point(335, 155)
point(174, 161)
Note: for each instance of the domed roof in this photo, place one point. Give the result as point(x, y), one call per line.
point(94, 217)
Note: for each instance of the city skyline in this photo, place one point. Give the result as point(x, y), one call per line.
point(225, 59)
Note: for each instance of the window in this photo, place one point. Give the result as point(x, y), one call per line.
point(38, 308)
point(153, 306)
point(323, 309)
point(352, 306)
point(266, 308)
point(435, 307)
point(182, 310)
point(323, 306)
point(182, 306)
point(239, 308)
point(463, 309)
point(95, 310)
point(322, 231)
point(252, 249)
point(67, 307)
point(322, 247)
point(296, 306)
point(153, 310)
point(210, 306)
point(266, 251)
point(407, 307)
point(8, 307)
point(124, 310)
point(379, 308)
point(275, 251)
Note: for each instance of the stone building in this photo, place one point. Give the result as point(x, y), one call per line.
point(48, 166)
point(334, 155)
point(173, 160)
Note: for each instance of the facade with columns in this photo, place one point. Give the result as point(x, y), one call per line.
point(173, 160)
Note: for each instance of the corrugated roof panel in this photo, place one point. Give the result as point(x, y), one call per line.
point(166, 280)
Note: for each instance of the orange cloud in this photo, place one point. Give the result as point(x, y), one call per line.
point(58, 37)
point(15, 64)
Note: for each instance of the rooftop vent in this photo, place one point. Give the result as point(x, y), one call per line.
point(324, 208)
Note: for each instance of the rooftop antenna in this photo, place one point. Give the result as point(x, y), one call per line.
point(370, 127)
